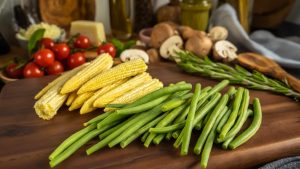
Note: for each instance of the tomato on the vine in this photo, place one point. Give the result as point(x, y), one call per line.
point(12, 72)
point(31, 70)
point(44, 57)
point(56, 68)
point(47, 43)
point(76, 60)
point(61, 50)
point(107, 48)
point(82, 42)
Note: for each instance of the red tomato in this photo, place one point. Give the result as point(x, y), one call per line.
point(44, 57)
point(61, 50)
point(47, 43)
point(76, 60)
point(82, 42)
point(32, 70)
point(107, 48)
point(56, 68)
point(12, 72)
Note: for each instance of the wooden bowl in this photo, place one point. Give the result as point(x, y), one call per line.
point(6, 79)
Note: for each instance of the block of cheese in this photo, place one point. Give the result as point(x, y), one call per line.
point(93, 30)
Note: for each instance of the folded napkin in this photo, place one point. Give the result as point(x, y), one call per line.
point(280, 50)
point(285, 163)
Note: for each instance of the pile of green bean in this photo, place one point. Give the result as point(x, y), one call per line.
point(172, 112)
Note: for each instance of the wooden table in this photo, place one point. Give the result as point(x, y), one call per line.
point(26, 141)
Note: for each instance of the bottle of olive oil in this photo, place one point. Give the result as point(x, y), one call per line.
point(120, 22)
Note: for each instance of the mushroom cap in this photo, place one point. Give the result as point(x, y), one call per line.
point(218, 33)
point(130, 54)
point(200, 46)
point(160, 33)
point(170, 46)
point(224, 50)
point(153, 55)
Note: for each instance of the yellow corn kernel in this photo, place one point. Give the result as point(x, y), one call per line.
point(132, 83)
point(88, 105)
point(79, 100)
point(101, 63)
point(61, 79)
point(137, 93)
point(71, 98)
point(121, 71)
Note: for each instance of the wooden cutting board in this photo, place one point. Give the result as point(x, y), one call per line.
point(26, 141)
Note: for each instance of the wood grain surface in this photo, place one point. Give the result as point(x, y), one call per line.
point(26, 141)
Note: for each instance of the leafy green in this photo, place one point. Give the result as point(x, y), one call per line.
point(120, 46)
point(34, 39)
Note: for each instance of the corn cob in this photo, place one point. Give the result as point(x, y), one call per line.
point(48, 104)
point(65, 75)
point(88, 105)
point(132, 83)
point(71, 98)
point(101, 63)
point(79, 100)
point(137, 93)
point(121, 71)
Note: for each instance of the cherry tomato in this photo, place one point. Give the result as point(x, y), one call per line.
point(31, 70)
point(44, 57)
point(12, 72)
point(82, 42)
point(107, 48)
point(47, 43)
point(76, 60)
point(56, 68)
point(61, 50)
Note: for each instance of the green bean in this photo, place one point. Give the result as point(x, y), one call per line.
point(252, 129)
point(114, 128)
point(172, 104)
point(115, 105)
point(111, 118)
point(70, 140)
point(167, 128)
point(158, 138)
point(224, 119)
point(142, 107)
point(198, 125)
point(210, 140)
point(242, 118)
point(206, 117)
point(231, 91)
point(142, 130)
point(161, 92)
point(76, 145)
point(97, 119)
point(236, 105)
point(144, 137)
point(169, 135)
point(152, 114)
point(189, 122)
point(208, 126)
point(106, 140)
point(218, 87)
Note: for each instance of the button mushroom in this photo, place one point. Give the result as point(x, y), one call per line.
point(160, 33)
point(225, 51)
point(130, 54)
point(153, 55)
point(169, 48)
point(218, 33)
point(199, 45)
point(187, 32)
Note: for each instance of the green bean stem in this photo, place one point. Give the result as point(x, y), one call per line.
point(144, 137)
point(167, 129)
point(97, 119)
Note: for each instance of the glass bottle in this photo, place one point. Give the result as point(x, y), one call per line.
point(120, 22)
point(195, 13)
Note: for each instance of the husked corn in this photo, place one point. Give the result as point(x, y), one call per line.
point(72, 96)
point(79, 100)
point(137, 93)
point(101, 63)
point(132, 83)
point(121, 71)
point(88, 105)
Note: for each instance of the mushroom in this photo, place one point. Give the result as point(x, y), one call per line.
point(170, 46)
point(130, 54)
point(225, 51)
point(153, 55)
point(187, 32)
point(218, 33)
point(160, 33)
point(199, 45)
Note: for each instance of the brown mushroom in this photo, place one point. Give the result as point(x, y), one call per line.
point(160, 33)
point(218, 33)
point(225, 51)
point(187, 32)
point(153, 55)
point(199, 45)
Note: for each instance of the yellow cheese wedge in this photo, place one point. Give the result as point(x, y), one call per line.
point(93, 30)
